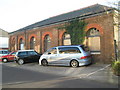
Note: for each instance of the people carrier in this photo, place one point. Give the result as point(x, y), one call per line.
point(73, 55)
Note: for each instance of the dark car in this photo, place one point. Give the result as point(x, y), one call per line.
point(9, 57)
point(23, 56)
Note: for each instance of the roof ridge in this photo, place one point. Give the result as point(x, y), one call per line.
point(90, 6)
point(91, 9)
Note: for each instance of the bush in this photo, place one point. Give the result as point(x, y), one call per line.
point(116, 67)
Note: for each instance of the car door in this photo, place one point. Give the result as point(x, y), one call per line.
point(23, 55)
point(11, 56)
point(33, 56)
point(67, 54)
point(53, 56)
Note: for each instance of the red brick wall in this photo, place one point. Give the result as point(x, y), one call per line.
point(104, 23)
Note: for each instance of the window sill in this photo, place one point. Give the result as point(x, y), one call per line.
point(95, 52)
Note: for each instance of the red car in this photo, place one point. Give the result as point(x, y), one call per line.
point(8, 57)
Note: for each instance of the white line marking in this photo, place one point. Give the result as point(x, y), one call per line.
point(87, 75)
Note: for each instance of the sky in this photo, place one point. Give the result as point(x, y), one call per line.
point(16, 14)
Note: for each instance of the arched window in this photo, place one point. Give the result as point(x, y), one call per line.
point(47, 42)
point(13, 44)
point(93, 36)
point(32, 43)
point(21, 45)
point(66, 39)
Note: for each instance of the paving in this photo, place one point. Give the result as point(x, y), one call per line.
point(101, 73)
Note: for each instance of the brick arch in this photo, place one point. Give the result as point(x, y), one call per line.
point(46, 33)
point(12, 43)
point(21, 37)
point(43, 37)
point(32, 35)
point(94, 25)
point(61, 34)
point(13, 40)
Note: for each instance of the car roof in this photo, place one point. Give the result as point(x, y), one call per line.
point(71, 46)
point(3, 50)
point(24, 50)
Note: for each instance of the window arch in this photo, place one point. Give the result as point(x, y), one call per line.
point(32, 43)
point(47, 42)
point(66, 39)
point(21, 45)
point(93, 37)
point(13, 45)
point(93, 32)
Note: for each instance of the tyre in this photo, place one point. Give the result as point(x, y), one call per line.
point(5, 60)
point(74, 63)
point(44, 62)
point(20, 61)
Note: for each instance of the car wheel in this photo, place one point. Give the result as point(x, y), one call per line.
point(20, 61)
point(5, 60)
point(44, 62)
point(74, 63)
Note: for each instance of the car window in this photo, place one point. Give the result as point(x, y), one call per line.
point(68, 50)
point(52, 51)
point(5, 52)
point(0, 52)
point(32, 53)
point(22, 53)
point(85, 48)
point(13, 53)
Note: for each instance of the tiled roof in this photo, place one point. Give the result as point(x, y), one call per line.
point(94, 9)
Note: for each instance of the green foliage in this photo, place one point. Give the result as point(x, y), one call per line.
point(76, 29)
point(116, 67)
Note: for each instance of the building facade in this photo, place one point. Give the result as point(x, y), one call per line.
point(4, 39)
point(101, 33)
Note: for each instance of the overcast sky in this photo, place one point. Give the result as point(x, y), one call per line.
point(16, 14)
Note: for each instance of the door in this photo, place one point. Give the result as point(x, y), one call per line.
point(12, 56)
point(52, 56)
point(66, 54)
point(23, 55)
point(33, 56)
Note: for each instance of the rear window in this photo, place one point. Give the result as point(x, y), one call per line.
point(85, 48)
point(68, 50)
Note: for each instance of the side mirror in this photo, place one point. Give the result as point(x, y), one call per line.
point(49, 53)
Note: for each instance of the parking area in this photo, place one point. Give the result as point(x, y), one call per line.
point(97, 72)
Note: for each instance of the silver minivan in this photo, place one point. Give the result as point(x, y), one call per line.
point(73, 55)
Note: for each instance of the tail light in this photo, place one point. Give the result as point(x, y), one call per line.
point(84, 57)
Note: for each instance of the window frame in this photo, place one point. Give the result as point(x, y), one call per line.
point(68, 50)
point(95, 34)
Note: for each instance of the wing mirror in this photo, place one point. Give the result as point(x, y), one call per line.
point(49, 53)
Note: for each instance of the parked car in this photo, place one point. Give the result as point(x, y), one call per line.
point(73, 55)
point(23, 56)
point(4, 52)
point(9, 57)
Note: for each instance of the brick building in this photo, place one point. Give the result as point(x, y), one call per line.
point(101, 32)
point(4, 39)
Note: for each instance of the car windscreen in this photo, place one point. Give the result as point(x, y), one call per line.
point(12, 53)
point(85, 48)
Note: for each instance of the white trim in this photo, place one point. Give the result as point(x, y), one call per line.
point(95, 52)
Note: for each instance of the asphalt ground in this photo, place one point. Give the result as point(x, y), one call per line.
point(31, 75)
